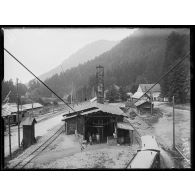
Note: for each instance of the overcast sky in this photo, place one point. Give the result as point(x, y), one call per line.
point(43, 49)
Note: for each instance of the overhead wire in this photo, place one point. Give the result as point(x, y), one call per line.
point(38, 79)
point(164, 75)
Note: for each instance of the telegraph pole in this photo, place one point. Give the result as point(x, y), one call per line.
point(18, 116)
point(173, 122)
point(10, 151)
point(72, 94)
point(32, 110)
point(151, 102)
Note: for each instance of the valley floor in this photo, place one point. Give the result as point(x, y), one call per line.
point(65, 152)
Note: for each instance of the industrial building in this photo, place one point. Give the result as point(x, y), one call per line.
point(100, 121)
point(10, 109)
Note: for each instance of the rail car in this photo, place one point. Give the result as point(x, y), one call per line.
point(149, 155)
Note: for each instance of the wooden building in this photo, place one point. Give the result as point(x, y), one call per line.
point(93, 119)
point(125, 133)
point(143, 106)
point(154, 92)
point(10, 110)
point(28, 131)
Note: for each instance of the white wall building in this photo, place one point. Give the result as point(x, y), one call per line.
point(154, 92)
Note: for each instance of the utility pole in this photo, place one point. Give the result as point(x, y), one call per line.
point(10, 151)
point(173, 122)
point(72, 94)
point(151, 103)
point(82, 95)
point(18, 116)
point(32, 110)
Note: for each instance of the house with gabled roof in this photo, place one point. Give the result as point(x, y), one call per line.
point(154, 92)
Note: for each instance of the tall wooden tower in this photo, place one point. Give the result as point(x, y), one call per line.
point(100, 84)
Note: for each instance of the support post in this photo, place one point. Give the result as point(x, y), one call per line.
point(77, 122)
point(173, 122)
point(151, 111)
point(18, 116)
point(32, 110)
point(10, 152)
point(130, 138)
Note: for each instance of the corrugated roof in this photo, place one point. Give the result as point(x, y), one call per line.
point(125, 126)
point(80, 107)
point(143, 160)
point(101, 107)
point(5, 112)
point(120, 105)
point(110, 109)
point(90, 111)
point(145, 87)
point(29, 106)
point(9, 108)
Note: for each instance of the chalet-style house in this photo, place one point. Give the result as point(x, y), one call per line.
point(154, 92)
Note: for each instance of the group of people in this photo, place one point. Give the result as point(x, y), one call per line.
point(91, 138)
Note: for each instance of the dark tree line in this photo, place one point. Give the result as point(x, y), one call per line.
point(8, 86)
point(177, 83)
point(136, 59)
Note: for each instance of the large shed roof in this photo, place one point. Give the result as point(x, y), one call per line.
point(125, 126)
point(9, 108)
point(91, 107)
point(29, 106)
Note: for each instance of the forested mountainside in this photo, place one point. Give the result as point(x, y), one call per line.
point(177, 83)
point(84, 54)
point(140, 58)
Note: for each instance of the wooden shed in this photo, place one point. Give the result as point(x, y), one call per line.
point(93, 119)
point(143, 106)
point(28, 131)
point(124, 133)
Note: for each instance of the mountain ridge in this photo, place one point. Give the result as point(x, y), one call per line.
point(136, 59)
point(82, 55)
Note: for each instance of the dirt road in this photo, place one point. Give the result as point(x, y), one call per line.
point(163, 128)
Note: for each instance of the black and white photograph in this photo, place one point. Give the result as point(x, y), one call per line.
point(96, 98)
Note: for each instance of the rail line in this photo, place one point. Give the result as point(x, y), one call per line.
point(38, 150)
point(182, 155)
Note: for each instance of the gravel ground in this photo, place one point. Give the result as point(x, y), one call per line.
point(65, 153)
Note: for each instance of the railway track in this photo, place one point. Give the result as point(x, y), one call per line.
point(27, 159)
